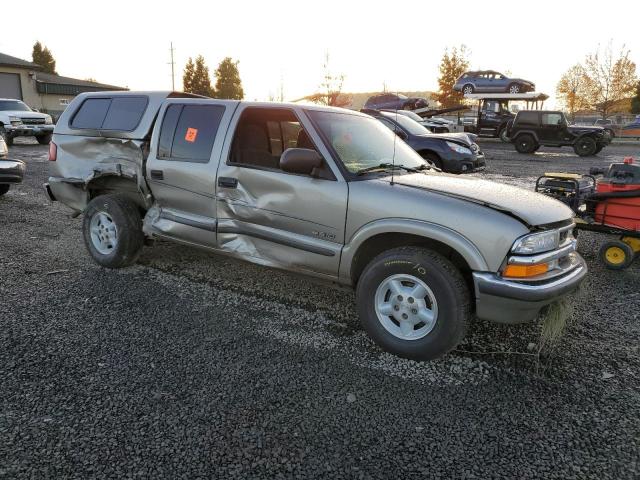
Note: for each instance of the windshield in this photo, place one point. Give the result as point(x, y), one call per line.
point(363, 142)
point(411, 126)
point(13, 105)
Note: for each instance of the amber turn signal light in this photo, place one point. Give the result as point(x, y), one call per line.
point(522, 271)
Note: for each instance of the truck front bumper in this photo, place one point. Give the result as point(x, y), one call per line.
point(508, 301)
point(11, 171)
point(28, 130)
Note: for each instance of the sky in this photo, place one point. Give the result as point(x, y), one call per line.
point(398, 44)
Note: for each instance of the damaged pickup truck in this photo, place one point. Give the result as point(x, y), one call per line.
point(327, 192)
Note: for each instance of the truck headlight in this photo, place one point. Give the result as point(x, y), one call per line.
point(48, 120)
point(459, 148)
point(537, 242)
point(13, 119)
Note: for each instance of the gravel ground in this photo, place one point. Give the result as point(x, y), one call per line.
point(190, 365)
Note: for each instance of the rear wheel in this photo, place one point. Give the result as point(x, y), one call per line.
point(413, 303)
point(112, 230)
point(4, 188)
point(616, 255)
point(44, 139)
point(585, 147)
point(467, 89)
point(525, 143)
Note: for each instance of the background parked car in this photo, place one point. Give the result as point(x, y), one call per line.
point(451, 152)
point(395, 101)
point(11, 171)
point(490, 81)
point(17, 119)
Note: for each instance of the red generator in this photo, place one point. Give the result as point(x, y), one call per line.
point(617, 197)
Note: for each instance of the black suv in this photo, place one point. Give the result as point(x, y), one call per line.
point(451, 152)
point(532, 128)
point(395, 102)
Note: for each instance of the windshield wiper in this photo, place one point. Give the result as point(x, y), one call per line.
point(389, 166)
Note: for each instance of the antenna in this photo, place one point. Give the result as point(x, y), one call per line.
point(173, 75)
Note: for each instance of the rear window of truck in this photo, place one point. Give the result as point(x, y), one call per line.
point(188, 132)
point(110, 113)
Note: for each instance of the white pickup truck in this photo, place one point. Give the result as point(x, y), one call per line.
point(17, 119)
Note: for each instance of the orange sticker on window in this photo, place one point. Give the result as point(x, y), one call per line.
point(191, 134)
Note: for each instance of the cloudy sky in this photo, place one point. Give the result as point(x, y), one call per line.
point(399, 43)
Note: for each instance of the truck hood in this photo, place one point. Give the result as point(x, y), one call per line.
point(580, 129)
point(23, 114)
point(532, 208)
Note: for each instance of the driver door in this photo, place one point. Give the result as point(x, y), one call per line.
point(273, 217)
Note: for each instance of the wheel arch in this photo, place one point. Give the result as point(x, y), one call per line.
point(525, 132)
point(381, 235)
point(121, 184)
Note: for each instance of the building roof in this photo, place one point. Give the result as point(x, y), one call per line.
point(52, 79)
point(9, 61)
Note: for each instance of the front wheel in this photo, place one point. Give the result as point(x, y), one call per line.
point(514, 88)
point(112, 230)
point(504, 135)
point(432, 158)
point(4, 188)
point(585, 147)
point(413, 303)
point(7, 139)
point(44, 139)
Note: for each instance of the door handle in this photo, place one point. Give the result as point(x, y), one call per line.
point(157, 175)
point(227, 182)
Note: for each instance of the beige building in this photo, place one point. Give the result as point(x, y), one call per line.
point(43, 91)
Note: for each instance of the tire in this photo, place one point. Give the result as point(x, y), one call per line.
point(4, 188)
point(432, 158)
point(515, 88)
point(112, 231)
point(585, 147)
point(598, 149)
point(44, 139)
point(525, 143)
point(7, 139)
point(425, 291)
point(616, 255)
point(503, 135)
point(468, 89)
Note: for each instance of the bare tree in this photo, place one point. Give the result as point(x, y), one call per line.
point(330, 90)
point(609, 78)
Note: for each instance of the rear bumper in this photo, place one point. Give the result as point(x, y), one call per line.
point(508, 301)
point(12, 171)
point(28, 130)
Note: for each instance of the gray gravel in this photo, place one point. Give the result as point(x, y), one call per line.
point(190, 365)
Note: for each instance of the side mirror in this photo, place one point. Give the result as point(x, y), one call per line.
point(300, 160)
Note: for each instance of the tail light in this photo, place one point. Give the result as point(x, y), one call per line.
point(53, 152)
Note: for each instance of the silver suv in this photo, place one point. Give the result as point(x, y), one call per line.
point(327, 192)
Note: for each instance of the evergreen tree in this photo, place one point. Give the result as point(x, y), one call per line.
point(228, 83)
point(42, 56)
point(635, 101)
point(196, 78)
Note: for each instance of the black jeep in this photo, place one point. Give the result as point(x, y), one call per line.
point(533, 128)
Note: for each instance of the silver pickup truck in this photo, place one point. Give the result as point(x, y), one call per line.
point(327, 192)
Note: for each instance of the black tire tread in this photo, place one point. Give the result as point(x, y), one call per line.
point(131, 240)
point(461, 290)
point(4, 188)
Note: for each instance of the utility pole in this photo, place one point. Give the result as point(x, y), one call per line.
point(173, 76)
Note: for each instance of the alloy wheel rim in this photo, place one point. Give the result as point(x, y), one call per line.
point(406, 307)
point(104, 233)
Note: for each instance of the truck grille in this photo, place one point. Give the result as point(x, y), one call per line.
point(33, 121)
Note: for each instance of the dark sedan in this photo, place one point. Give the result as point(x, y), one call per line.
point(490, 81)
point(451, 152)
point(395, 101)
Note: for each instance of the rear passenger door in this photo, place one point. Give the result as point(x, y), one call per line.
point(181, 167)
